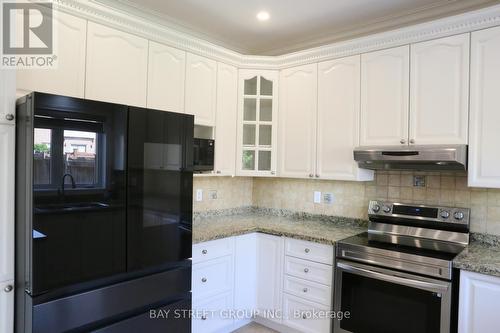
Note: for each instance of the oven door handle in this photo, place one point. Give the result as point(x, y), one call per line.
point(429, 286)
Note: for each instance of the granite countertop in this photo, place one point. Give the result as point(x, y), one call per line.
point(320, 229)
point(481, 256)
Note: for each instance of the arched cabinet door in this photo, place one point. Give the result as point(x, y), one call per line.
point(297, 126)
point(257, 123)
point(117, 66)
point(68, 78)
point(166, 75)
point(439, 91)
point(384, 97)
point(201, 89)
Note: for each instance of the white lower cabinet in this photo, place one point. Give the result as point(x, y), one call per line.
point(6, 307)
point(280, 282)
point(479, 303)
point(305, 316)
point(213, 285)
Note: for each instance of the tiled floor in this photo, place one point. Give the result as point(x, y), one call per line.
point(254, 328)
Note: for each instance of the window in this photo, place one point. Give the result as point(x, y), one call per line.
point(67, 146)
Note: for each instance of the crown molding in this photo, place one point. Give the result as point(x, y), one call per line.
point(101, 11)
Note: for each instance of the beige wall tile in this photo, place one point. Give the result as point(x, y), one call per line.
point(448, 182)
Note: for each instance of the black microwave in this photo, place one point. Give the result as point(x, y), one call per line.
point(204, 150)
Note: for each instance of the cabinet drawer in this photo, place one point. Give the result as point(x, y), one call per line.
point(311, 291)
point(310, 251)
point(207, 316)
point(213, 249)
point(299, 314)
point(212, 277)
point(308, 270)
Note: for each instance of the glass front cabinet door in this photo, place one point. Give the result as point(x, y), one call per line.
point(257, 123)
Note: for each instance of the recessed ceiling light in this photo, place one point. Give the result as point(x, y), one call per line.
point(263, 16)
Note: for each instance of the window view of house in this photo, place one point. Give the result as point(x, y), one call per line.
point(80, 156)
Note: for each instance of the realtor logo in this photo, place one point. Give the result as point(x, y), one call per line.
point(27, 34)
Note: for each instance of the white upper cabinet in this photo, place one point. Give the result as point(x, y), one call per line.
point(117, 66)
point(384, 97)
point(201, 89)
point(439, 91)
point(226, 117)
point(166, 74)
point(484, 136)
point(69, 77)
point(297, 124)
point(7, 169)
point(338, 120)
point(257, 123)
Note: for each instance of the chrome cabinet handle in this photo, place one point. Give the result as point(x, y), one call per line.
point(306, 270)
point(8, 289)
point(311, 175)
point(412, 141)
point(307, 250)
point(304, 290)
point(403, 141)
point(273, 173)
point(204, 280)
point(317, 176)
point(9, 116)
point(204, 251)
point(304, 316)
point(203, 317)
point(218, 172)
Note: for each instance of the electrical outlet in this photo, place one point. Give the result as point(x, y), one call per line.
point(419, 181)
point(212, 194)
point(199, 195)
point(317, 197)
point(328, 198)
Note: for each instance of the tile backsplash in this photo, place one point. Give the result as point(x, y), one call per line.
point(350, 199)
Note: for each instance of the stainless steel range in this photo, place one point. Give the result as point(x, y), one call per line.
point(398, 276)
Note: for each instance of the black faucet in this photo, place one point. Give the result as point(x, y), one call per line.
point(73, 184)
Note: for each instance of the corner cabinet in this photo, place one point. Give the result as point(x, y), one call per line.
point(257, 123)
point(439, 91)
point(226, 117)
point(484, 135)
point(117, 66)
point(479, 302)
point(166, 75)
point(297, 124)
point(385, 79)
point(201, 89)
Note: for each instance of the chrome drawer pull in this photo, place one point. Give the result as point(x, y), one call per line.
point(304, 290)
point(204, 251)
point(306, 270)
point(307, 250)
point(204, 280)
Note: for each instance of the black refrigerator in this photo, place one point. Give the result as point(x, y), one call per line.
point(103, 216)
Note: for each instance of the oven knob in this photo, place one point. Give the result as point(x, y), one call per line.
point(458, 216)
point(445, 214)
point(376, 208)
point(386, 209)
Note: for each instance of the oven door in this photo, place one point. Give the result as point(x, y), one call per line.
point(382, 300)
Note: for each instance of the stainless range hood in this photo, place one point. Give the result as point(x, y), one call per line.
point(427, 157)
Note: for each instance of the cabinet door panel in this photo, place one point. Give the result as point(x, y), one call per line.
point(479, 303)
point(484, 114)
point(225, 127)
point(68, 78)
point(201, 85)
point(7, 156)
point(117, 66)
point(298, 111)
point(166, 73)
point(439, 96)
point(269, 272)
point(338, 119)
point(384, 96)
point(6, 307)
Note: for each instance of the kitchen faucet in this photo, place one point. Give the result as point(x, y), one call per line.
point(73, 184)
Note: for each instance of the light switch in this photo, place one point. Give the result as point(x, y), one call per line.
point(317, 197)
point(328, 198)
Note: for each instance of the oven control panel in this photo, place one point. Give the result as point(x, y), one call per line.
point(387, 209)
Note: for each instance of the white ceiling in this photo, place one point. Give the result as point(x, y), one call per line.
point(294, 24)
